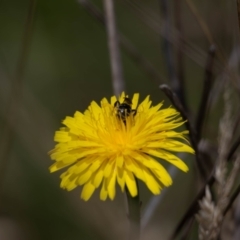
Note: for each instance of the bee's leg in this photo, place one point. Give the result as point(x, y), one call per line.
point(117, 104)
point(134, 112)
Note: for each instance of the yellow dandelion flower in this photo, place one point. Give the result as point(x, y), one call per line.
point(103, 147)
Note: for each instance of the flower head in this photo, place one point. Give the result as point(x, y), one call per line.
point(103, 147)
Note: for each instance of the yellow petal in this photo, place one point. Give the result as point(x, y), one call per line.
point(65, 181)
point(87, 191)
point(131, 183)
point(122, 96)
point(132, 166)
point(84, 177)
point(174, 160)
point(119, 161)
point(111, 181)
point(95, 109)
point(154, 109)
point(78, 115)
point(70, 122)
point(162, 176)
point(61, 136)
point(86, 143)
point(135, 100)
point(98, 177)
point(108, 169)
point(151, 183)
point(121, 178)
point(144, 106)
point(113, 100)
point(72, 183)
point(104, 192)
point(170, 145)
point(58, 165)
point(82, 166)
point(95, 165)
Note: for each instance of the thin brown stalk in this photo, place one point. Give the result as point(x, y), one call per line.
point(238, 11)
point(232, 199)
point(194, 207)
point(237, 121)
point(202, 23)
point(211, 219)
point(224, 183)
point(177, 104)
point(179, 53)
point(8, 133)
point(223, 203)
point(232, 176)
point(145, 65)
point(208, 82)
point(167, 47)
point(234, 148)
point(211, 41)
point(186, 234)
point(192, 133)
point(225, 138)
point(133, 215)
point(189, 49)
point(222, 78)
point(113, 45)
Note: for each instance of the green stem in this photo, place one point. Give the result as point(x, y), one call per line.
point(133, 215)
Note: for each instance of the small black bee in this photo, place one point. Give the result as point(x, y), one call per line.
point(124, 109)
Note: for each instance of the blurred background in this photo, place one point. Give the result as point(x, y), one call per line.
point(60, 64)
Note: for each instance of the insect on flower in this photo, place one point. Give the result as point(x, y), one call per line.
point(124, 109)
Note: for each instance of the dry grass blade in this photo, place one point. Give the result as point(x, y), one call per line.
point(192, 51)
point(193, 208)
point(167, 48)
point(192, 133)
point(179, 54)
point(114, 51)
point(238, 11)
point(210, 216)
point(211, 41)
point(225, 137)
point(144, 64)
point(15, 95)
point(208, 80)
point(207, 217)
point(203, 25)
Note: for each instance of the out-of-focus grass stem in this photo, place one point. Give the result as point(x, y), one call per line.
point(208, 82)
point(194, 207)
point(238, 11)
point(127, 46)
point(232, 199)
point(167, 47)
point(133, 215)
point(202, 23)
point(192, 133)
point(113, 45)
point(189, 49)
point(179, 54)
point(11, 115)
point(219, 54)
point(175, 82)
